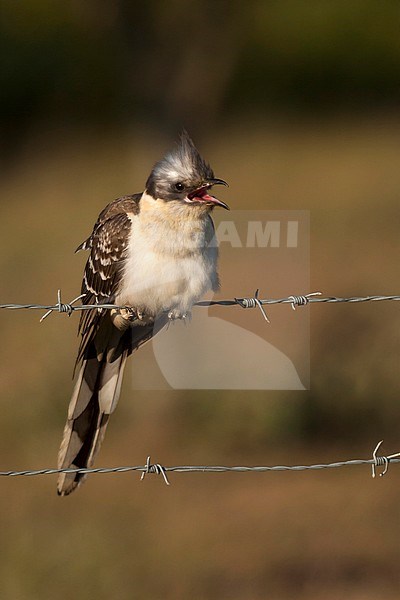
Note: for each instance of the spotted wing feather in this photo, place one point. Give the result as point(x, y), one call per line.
point(108, 246)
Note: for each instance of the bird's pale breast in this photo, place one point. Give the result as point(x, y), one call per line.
point(170, 263)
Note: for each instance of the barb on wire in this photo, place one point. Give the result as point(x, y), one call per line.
point(251, 302)
point(381, 460)
point(302, 300)
point(159, 469)
point(156, 468)
point(66, 308)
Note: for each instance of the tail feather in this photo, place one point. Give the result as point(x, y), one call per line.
point(94, 398)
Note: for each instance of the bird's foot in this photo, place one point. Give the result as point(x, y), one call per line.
point(139, 316)
point(130, 314)
point(123, 317)
point(176, 314)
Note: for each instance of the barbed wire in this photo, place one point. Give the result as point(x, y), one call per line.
point(250, 302)
point(245, 302)
point(375, 462)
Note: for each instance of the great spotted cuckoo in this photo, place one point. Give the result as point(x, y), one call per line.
point(152, 254)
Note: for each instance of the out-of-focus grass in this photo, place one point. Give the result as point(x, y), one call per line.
point(310, 535)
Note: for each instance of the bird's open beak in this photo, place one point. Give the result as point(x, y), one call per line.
point(202, 197)
point(217, 182)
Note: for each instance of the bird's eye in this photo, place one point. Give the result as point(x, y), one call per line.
point(179, 186)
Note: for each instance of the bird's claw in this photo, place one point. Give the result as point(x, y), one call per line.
point(123, 317)
point(176, 314)
point(129, 313)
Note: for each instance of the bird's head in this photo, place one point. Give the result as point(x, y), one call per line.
point(184, 176)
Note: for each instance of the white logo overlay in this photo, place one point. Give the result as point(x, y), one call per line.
point(228, 347)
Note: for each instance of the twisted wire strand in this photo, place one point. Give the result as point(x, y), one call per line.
point(250, 302)
point(245, 302)
point(157, 468)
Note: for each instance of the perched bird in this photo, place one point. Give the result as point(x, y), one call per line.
point(153, 254)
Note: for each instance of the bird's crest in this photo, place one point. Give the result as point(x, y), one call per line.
point(182, 163)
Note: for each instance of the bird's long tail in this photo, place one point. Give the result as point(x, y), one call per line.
point(94, 398)
point(96, 395)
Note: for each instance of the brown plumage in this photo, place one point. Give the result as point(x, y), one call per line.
point(104, 348)
point(152, 253)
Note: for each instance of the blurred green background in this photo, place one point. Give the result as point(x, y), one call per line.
point(296, 104)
